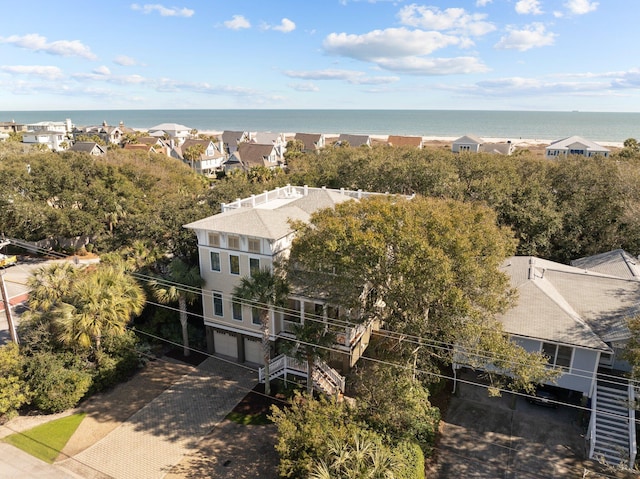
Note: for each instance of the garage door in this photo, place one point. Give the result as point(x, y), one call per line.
point(225, 344)
point(253, 351)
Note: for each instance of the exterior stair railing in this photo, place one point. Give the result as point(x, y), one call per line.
point(325, 379)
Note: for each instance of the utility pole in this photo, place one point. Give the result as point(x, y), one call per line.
point(7, 309)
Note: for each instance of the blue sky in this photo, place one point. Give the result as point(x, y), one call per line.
point(351, 54)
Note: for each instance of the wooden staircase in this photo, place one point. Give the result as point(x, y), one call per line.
point(325, 379)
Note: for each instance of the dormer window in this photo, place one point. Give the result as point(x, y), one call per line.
point(233, 242)
point(254, 245)
point(214, 239)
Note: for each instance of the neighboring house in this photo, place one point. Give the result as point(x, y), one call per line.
point(575, 145)
point(405, 141)
point(277, 140)
point(250, 234)
point(616, 263)
point(4, 136)
point(475, 144)
point(467, 143)
point(250, 155)
point(54, 140)
point(312, 141)
point(577, 318)
point(90, 147)
point(111, 135)
point(231, 140)
point(65, 127)
point(158, 144)
point(209, 162)
point(177, 133)
point(141, 147)
point(12, 127)
point(354, 140)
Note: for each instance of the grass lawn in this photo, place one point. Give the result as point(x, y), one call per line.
point(47, 440)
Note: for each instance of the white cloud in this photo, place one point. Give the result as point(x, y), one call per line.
point(102, 70)
point(125, 61)
point(44, 71)
point(305, 87)
point(350, 76)
point(285, 26)
point(531, 36)
point(434, 66)
point(38, 43)
point(528, 7)
point(162, 10)
point(392, 42)
point(580, 7)
point(237, 22)
point(483, 3)
point(451, 19)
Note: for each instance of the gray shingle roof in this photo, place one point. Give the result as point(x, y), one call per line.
point(269, 223)
point(616, 263)
point(569, 305)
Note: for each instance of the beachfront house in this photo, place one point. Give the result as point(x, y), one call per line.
point(405, 141)
point(208, 162)
point(231, 139)
point(312, 142)
point(12, 127)
point(88, 147)
point(475, 144)
point(254, 233)
point(467, 144)
point(575, 145)
point(354, 141)
point(576, 316)
point(175, 132)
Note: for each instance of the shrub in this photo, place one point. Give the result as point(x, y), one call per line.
point(410, 455)
point(13, 388)
point(58, 382)
point(120, 358)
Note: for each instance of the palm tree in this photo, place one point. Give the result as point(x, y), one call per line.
point(263, 290)
point(181, 284)
point(100, 303)
point(49, 285)
point(314, 341)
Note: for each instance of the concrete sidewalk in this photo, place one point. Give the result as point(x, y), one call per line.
point(156, 438)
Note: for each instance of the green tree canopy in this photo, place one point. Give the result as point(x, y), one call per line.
point(428, 268)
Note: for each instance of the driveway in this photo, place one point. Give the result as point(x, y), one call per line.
point(483, 437)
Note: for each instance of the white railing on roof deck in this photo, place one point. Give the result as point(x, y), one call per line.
point(288, 191)
point(632, 426)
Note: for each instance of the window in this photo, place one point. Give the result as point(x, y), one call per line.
point(233, 242)
point(236, 310)
point(215, 260)
point(254, 265)
point(214, 239)
point(255, 315)
point(234, 264)
point(217, 304)
point(559, 356)
point(292, 312)
point(254, 245)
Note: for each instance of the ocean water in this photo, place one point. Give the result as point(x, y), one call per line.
point(540, 125)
